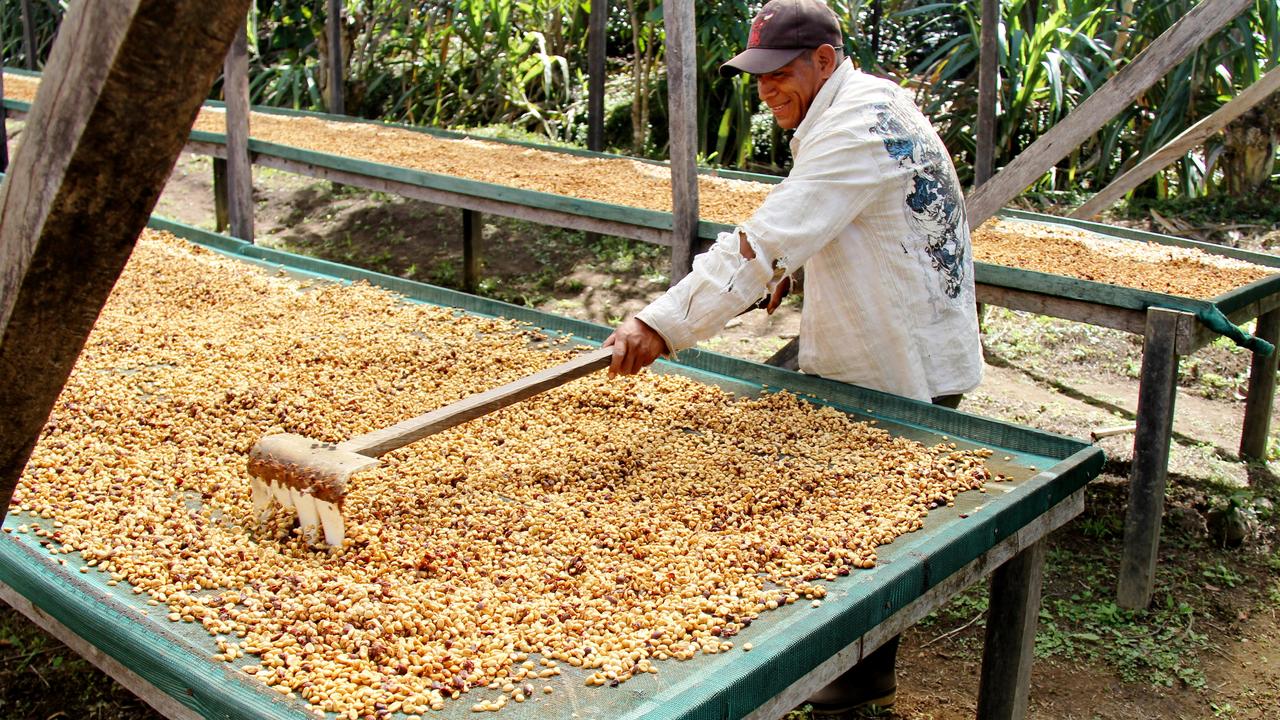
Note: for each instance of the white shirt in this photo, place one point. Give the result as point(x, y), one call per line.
point(873, 210)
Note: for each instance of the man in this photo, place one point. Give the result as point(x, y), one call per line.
point(873, 210)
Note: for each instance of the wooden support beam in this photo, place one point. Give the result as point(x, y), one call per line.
point(1262, 390)
point(29, 48)
point(220, 219)
point(682, 104)
point(597, 38)
point(787, 357)
point(1157, 390)
point(1175, 44)
point(83, 183)
point(333, 26)
point(1179, 146)
point(472, 235)
point(235, 90)
point(989, 49)
point(1014, 607)
point(4, 130)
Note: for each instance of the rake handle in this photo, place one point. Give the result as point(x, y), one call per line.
point(380, 442)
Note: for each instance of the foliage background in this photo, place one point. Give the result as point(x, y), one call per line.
point(521, 64)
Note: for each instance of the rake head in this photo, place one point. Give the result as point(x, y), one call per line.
point(307, 475)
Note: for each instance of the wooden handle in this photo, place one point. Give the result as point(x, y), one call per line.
point(380, 442)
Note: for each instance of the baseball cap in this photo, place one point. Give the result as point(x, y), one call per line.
point(781, 31)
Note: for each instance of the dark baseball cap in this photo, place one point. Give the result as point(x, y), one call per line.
point(781, 31)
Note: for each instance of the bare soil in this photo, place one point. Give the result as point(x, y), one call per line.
point(1054, 375)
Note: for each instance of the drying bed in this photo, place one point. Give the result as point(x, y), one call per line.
point(179, 657)
point(1077, 260)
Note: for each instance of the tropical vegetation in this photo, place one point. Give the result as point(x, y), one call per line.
point(522, 65)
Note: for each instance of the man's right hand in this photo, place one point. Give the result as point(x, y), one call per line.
point(635, 347)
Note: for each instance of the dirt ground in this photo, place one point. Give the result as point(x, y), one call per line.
point(1208, 648)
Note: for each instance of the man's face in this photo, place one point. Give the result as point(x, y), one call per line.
point(790, 89)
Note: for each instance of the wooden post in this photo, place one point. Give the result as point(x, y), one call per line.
point(235, 90)
point(472, 234)
point(29, 48)
point(333, 23)
point(682, 104)
point(83, 183)
point(4, 130)
point(596, 45)
point(1175, 44)
point(1262, 389)
point(220, 220)
point(787, 357)
point(1157, 390)
point(984, 158)
point(1177, 147)
point(1007, 654)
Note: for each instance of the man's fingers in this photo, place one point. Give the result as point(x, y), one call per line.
point(619, 355)
point(779, 292)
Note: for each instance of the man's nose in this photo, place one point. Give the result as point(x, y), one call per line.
point(764, 87)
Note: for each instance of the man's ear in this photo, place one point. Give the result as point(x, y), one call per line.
point(825, 57)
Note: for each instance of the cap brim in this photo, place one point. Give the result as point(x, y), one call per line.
point(757, 61)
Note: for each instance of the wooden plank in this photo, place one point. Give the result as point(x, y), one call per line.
point(931, 600)
point(4, 130)
point(220, 220)
point(597, 39)
point(152, 695)
point(1262, 390)
point(29, 48)
point(212, 149)
point(1009, 648)
point(682, 101)
point(787, 357)
point(1194, 335)
point(333, 25)
point(472, 235)
point(1157, 390)
point(1131, 321)
point(989, 49)
point(83, 182)
point(1175, 44)
point(1177, 147)
point(470, 202)
point(235, 89)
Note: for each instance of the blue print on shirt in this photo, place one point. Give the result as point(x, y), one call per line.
point(935, 203)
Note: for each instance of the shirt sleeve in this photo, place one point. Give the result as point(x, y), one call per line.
point(821, 196)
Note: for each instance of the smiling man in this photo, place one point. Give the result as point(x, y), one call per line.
point(871, 208)
point(873, 211)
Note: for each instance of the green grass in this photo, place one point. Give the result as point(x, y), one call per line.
point(1200, 592)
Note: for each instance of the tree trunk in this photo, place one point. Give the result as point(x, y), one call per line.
point(1251, 142)
point(644, 55)
point(84, 181)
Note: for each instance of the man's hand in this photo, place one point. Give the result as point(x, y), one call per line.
point(779, 292)
point(635, 347)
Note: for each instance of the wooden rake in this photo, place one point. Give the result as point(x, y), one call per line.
point(311, 476)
